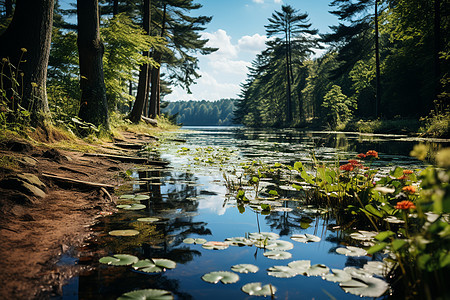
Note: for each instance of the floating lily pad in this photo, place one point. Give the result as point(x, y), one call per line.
point(256, 289)
point(363, 235)
point(282, 271)
point(357, 272)
point(274, 244)
point(282, 209)
point(318, 270)
point(222, 276)
point(154, 265)
point(277, 254)
point(135, 197)
point(149, 219)
point(239, 241)
point(263, 236)
point(394, 220)
point(212, 245)
point(194, 241)
point(351, 251)
point(376, 267)
point(245, 268)
point(124, 232)
point(305, 238)
point(119, 260)
point(300, 266)
point(149, 294)
point(133, 206)
point(337, 276)
point(365, 286)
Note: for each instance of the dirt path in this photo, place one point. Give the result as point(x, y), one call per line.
point(35, 231)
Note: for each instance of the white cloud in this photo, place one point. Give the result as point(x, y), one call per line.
point(254, 43)
point(258, 1)
point(220, 39)
point(278, 1)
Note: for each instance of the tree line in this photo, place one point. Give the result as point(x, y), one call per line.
point(385, 59)
point(210, 113)
point(95, 58)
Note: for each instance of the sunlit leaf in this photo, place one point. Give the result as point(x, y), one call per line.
point(149, 219)
point(245, 268)
point(351, 251)
point(281, 271)
point(213, 245)
point(365, 286)
point(305, 238)
point(263, 236)
point(194, 241)
point(363, 235)
point(154, 265)
point(376, 248)
point(148, 294)
point(124, 232)
point(133, 206)
point(239, 241)
point(337, 276)
point(384, 235)
point(119, 260)
point(277, 254)
point(222, 276)
point(318, 270)
point(256, 289)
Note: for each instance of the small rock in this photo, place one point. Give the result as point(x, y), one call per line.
point(32, 179)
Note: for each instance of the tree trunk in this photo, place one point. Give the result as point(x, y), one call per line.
point(155, 76)
point(8, 8)
point(26, 43)
point(115, 7)
point(93, 107)
point(377, 63)
point(143, 84)
point(437, 47)
point(288, 90)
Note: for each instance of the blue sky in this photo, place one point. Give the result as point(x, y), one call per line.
point(237, 29)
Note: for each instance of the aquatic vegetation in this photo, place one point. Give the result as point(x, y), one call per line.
point(365, 286)
point(148, 219)
point(124, 232)
point(305, 238)
point(245, 268)
point(136, 197)
point(154, 265)
point(223, 276)
point(132, 206)
point(213, 245)
point(119, 260)
point(198, 241)
point(148, 294)
point(257, 289)
point(277, 254)
point(351, 251)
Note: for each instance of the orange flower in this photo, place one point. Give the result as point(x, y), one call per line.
point(347, 167)
point(409, 189)
point(372, 153)
point(406, 204)
point(361, 155)
point(353, 162)
point(403, 177)
point(407, 172)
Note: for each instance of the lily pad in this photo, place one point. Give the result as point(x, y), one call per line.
point(357, 272)
point(135, 197)
point(212, 245)
point(365, 286)
point(194, 241)
point(318, 270)
point(245, 268)
point(133, 206)
point(263, 236)
point(394, 220)
point(119, 260)
point(282, 271)
point(154, 265)
point(277, 254)
point(148, 294)
point(239, 241)
point(149, 219)
point(363, 235)
point(256, 289)
point(124, 232)
point(300, 266)
point(222, 276)
point(376, 267)
point(337, 276)
point(351, 251)
point(274, 244)
point(305, 238)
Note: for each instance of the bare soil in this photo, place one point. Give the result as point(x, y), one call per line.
point(34, 231)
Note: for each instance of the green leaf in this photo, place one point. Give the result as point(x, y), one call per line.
point(223, 276)
point(376, 248)
point(373, 210)
point(154, 265)
point(256, 289)
point(397, 244)
point(273, 193)
point(148, 294)
point(245, 268)
point(298, 166)
point(277, 254)
point(384, 235)
point(119, 260)
point(398, 172)
point(124, 232)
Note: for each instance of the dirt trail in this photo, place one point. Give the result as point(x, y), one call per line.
point(35, 231)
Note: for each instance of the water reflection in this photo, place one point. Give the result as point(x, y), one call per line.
point(189, 199)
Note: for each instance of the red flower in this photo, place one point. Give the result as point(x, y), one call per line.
point(361, 155)
point(353, 162)
point(407, 172)
point(372, 153)
point(406, 204)
point(409, 189)
point(403, 177)
point(347, 167)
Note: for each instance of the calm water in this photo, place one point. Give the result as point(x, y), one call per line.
point(190, 200)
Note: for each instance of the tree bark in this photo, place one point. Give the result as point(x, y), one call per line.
point(26, 43)
point(143, 84)
point(437, 47)
point(377, 65)
point(93, 107)
point(155, 92)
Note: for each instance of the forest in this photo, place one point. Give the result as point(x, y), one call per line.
point(385, 60)
point(210, 113)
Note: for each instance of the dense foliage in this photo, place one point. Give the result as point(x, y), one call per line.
point(410, 79)
point(215, 113)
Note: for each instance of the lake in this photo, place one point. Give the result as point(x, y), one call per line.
point(189, 199)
